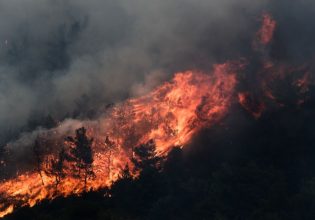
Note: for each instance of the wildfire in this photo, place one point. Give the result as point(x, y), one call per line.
point(170, 115)
point(276, 84)
point(250, 104)
point(266, 32)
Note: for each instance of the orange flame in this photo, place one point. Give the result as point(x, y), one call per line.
point(171, 115)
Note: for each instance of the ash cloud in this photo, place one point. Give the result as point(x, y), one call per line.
point(64, 57)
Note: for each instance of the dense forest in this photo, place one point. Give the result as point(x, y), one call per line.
point(241, 169)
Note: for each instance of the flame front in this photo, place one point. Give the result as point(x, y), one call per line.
point(170, 115)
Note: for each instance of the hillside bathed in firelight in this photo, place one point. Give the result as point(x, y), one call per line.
point(129, 110)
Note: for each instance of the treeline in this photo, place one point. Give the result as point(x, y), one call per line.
point(241, 169)
point(74, 158)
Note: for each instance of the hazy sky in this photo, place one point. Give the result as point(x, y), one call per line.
point(53, 52)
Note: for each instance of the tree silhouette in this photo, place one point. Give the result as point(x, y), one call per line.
point(37, 150)
point(81, 153)
point(57, 166)
point(145, 158)
point(109, 145)
point(126, 174)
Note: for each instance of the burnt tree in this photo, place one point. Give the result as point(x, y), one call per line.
point(56, 166)
point(37, 150)
point(81, 153)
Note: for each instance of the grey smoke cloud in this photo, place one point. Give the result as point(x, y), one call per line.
point(53, 52)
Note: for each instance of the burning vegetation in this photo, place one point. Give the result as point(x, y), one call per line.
point(266, 32)
point(95, 156)
point(141, 131)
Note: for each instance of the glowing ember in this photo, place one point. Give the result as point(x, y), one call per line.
point(250, 104)
point(170, 115)
point(6, 210)
point(265, 34)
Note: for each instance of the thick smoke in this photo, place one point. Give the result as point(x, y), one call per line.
point(65, 58)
